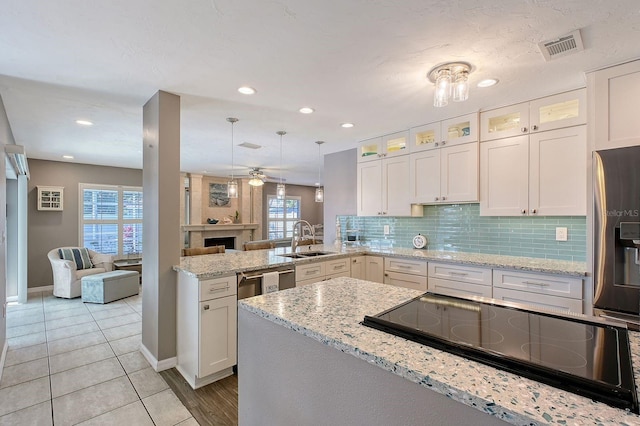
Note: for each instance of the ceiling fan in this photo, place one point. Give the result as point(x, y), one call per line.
point(258, 178)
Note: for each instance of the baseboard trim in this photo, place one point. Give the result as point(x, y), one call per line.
point(3, 357)
point(161, 365)
point(197, 382)
point(39, 289)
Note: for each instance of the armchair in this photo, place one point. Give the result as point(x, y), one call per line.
point(67, 278)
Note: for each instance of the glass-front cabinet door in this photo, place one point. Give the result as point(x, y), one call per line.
point(370, 149)
point(460, 130)
point(504, 122)
point(395, 144)
point(426, 137)
point(562, 110)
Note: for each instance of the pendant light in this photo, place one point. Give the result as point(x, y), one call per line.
point(280, 188)
point(319, 190)
point(232, 185)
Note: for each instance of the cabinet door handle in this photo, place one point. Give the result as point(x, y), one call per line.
point(444, 198)
point(535, 283)
point(436, 199)
point(524, 130)
point(534, 127)
point(205, 308)
point(214, 289)
point(523, 211)
point(437, 144)
point(461, 274)
point(444, 142)
point(534, 211)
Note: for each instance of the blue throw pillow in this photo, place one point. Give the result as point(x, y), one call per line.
point(79, 255)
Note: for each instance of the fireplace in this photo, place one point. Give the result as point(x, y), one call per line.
point(227, 242)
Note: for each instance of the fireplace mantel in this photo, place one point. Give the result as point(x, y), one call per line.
point(219, 227)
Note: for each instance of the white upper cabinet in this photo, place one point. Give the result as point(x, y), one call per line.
point(383, 187)
point(454, 131)
point(614, 96)
point(385, 146)
point(542, 174)
point(548, 113)
point(445, 175)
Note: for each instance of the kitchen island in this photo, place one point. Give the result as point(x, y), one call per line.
point(304, 358)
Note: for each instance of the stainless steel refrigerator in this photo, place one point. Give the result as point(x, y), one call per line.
point(617, 234)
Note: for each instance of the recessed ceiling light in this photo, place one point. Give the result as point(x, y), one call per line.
point(306, 110)
point(84, 122)
point(68, 157)
point(246, 90)
point(346, 125)
point(488, 82)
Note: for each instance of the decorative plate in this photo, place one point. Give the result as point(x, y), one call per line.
point(419, 241)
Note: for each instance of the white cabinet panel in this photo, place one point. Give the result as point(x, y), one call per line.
point(459, 173)
point(338, 266)
point(499, 123)
point(309, 271)
point(218, 325)
point(558, 172)
point(614, 94)
point(554, 285)
point(383, 187)
point(369, 188)
point(374, 268)
point(458, 288)
point(370, 150)
point(425, 176)
point(395, 144)
point(453, 131)
point(358, 267)
point(469, 274)
point(405, 266)
point(504, 177)
point(561, 304)
point(558, 111)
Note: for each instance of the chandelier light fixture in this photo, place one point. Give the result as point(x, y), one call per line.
point(452, 82)
point(319, 190)
point(232, 185)
point(256, 178)
point(280, 188)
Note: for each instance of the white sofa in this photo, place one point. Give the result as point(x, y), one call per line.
point(67, 278)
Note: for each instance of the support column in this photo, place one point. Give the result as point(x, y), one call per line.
point(161, 228)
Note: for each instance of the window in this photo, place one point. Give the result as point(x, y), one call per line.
point(281, 216)
point(111, 219)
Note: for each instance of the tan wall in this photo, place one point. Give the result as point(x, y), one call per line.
point(312, 212)
point(51, 229)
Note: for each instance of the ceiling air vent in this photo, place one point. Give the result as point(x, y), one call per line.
point(561, 46)
point(249, 145)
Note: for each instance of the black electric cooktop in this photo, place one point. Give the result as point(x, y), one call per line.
point(588, 358)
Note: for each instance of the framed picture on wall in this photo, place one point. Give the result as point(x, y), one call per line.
point(218, 195)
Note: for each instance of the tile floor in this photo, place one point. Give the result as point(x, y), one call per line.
point(74, 363)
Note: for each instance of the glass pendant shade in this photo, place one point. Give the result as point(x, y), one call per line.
point(232, 189)
point(461, 87)
point(319, 195)
point(280, 191)
point(256, 181)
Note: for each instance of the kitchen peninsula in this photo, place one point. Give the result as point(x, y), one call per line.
point(304, 358)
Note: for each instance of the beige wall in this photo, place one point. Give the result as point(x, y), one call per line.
point(51, 229)
point(312, 212)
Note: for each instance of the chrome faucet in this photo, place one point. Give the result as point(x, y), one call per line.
point(298, 236)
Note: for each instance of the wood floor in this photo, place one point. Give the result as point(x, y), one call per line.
point(214, 404)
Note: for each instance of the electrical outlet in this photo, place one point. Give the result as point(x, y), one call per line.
point(386, 229)
point(561, 234)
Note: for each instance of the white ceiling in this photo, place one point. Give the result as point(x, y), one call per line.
point(362, 61)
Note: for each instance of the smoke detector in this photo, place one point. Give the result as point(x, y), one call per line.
point(561, 46)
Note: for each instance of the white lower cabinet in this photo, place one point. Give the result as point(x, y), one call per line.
point(206, 321)
point(461, 281)
point(374, 268)
point(405, 273)
point(358, 267)
point(314, 272)
point(553, 292)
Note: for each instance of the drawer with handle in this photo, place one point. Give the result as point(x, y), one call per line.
point(555, 285)
point(215, 288)
point(414, 267)
point(467, 274)
point(338, 266)
point(309, 271)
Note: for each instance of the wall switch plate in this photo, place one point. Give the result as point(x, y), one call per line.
point(386, 229)
point(561, 234)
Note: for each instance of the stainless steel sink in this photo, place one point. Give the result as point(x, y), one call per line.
point(306, 254)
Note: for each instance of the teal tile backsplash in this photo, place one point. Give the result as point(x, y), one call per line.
point(459, 227)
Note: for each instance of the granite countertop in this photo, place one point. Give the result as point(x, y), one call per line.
point(330, 312)
point(208, 266)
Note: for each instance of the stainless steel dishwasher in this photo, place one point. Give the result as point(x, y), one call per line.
point(250, 283)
